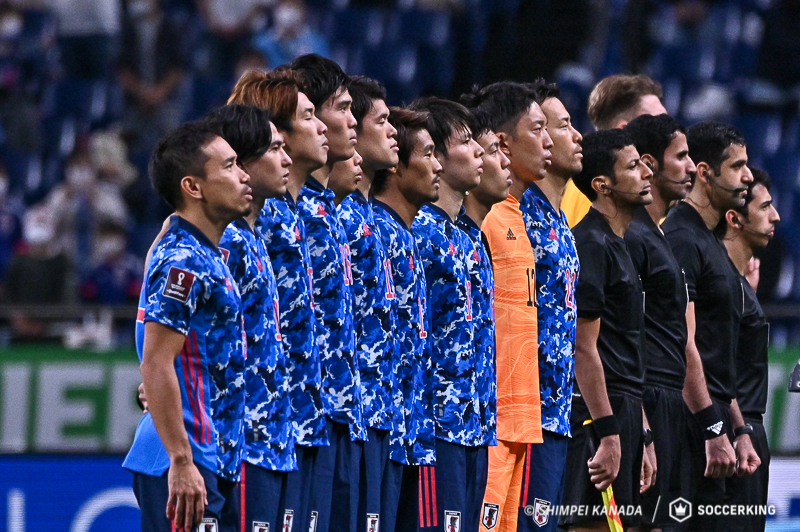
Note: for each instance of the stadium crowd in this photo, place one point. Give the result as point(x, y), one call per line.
point(451, 315)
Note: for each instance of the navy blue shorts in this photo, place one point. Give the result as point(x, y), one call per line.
point(298, 489)
point(333, 502)
point(152, 494)
point(379, 486)
point(449, 495)
point(263, 496)
point(542, 482)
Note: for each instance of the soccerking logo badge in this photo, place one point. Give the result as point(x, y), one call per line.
point(209, 524)
point(489, 515)
point(680, 509)
point(260, 526)
point(541, 512)
point(452, 521)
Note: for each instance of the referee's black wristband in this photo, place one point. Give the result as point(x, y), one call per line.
point(606, 426)
point(710, 421)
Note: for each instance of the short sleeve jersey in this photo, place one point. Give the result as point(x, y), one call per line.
point(482, 288)
point(752, 363)
point(284, 234)
point(189, 288)
point(269, 440)
point(557, 269)
point(443, 248)
point(519, 417)
point(374, 313)
point(609, 289)
point(412, 441)
point(333, 303)
point(665, 302)
point(714, 287)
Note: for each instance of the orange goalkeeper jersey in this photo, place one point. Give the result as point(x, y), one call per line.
point(519, 417)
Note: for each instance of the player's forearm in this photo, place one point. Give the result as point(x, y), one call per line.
point(736, 414)
point(695, 390)
point(589, 370)
point(164, 403)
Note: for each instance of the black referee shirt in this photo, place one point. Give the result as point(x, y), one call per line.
point(665, 302)
point(713, 285)
point(751, 355)
point(609, 288)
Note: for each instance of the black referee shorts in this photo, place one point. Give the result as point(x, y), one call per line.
point(578, 490)
point(751, 489)
point(669, 419)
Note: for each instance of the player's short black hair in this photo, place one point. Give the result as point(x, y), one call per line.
point(177, 155)
point(653, 134)
point(407, 122)
point(543, 90)
point(322, 77)
point(500, 104)
point(445, 119)
point(364, 92)
point(708, 142)
point(600, 150)
point(245, 127)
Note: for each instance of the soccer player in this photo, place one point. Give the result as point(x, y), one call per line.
point(344, 179)
point(661, 143)
point(614, 101)
point(187, 452)
point(398, 195)
point(375, 317)
point(715, 307)
point(282, 94)
point(461, 455)
point(269, 438)
point(557, 269)
point(518, 121)
point(743, 231)
point(609, 366)
point(337, 468)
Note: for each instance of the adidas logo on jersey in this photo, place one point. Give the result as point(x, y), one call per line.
point(367, 231)
point(716, 428)
point(510, 235)
point(451, 250)
point(296, 233)
point(321, 210)
point(553, 235)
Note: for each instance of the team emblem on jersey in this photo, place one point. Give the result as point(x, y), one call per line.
point(288, 520)
point(312, 524)
point(452, 521)
point(541, 511)
point(225, 254)
point(490, 515)
point(373, 522)
point(179, 284)
point(209, 524)
point(260, 526)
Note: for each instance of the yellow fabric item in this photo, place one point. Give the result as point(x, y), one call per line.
point(519, 416)
point(574, 204)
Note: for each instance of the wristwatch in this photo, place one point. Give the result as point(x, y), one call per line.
point(747, 428)
point(647, 435)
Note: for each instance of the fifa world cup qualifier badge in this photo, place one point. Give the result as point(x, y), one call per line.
point(452, 521)
point(490, 515)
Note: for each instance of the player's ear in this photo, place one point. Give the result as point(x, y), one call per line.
point(601, 186)
point(650, 162)
point(703, 172)
point(503, 137)
point(733, 220)
point(191, 186)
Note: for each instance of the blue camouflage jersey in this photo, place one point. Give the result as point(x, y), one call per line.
point(443, 248)
point(374, 312)
point(482, 287)
point(412, 440)
point(333, 303)
point(189, 288)
point(284, 233)
point(269, 439)
point(557, 269)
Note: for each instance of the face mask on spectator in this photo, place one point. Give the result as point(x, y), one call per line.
point(140, 8)
point(38, 227)
point(80, 176)
point(10, 26)
point(108, 247)
point(288, 18)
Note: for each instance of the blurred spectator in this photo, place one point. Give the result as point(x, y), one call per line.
point(230, 26)
point(88, 32)
point(151, 70)
point(251, 59)
point(116, 275)
point(82, 204)
point(109, 154)
point(10, 230)
point(290, 35)
point(779, 59)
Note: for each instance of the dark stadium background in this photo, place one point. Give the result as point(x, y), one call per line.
point(83, 100)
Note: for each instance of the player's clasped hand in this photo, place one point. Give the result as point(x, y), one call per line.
point(604, 467)
point(747, 460)
point(649, 468)
point(720, 457)
point(187, 496)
